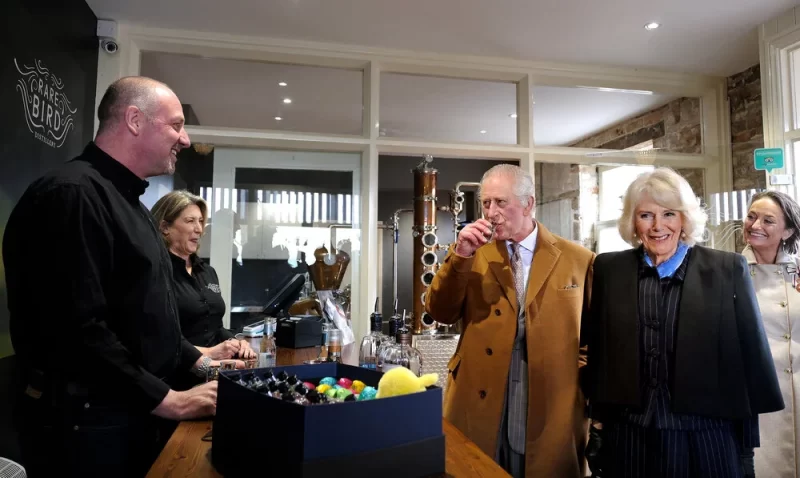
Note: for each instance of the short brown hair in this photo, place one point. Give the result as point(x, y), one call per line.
point(136, 91)
point(169, 208)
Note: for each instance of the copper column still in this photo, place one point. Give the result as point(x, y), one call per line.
point(426, 262)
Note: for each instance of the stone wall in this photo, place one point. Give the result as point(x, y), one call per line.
point(747, 127)
point(696, 178)
point(673, 127)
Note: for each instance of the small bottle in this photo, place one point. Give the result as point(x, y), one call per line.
point(266, 357)
point(272, 390)
point(403, 354)
point(368, 353)
point(335, 345)
point(388, 341)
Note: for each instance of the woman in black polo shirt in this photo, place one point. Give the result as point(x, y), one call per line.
point(181, 217)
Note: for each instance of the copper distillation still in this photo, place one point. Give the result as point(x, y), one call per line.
point(426, 241)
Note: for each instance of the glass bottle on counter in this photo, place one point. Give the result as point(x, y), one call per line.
point(388, 340)
point(368, 353)
point(267, 349)
point(402, 354)
point(335, 345)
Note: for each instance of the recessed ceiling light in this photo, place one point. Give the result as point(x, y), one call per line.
point(278, 118)
point(483, 131)
point(652, 26)
point(512, 115)
point(287, 100)
point(282, 83)
point(615, 90)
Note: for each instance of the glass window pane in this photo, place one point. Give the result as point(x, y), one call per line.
point(609, 240)
point(273, 236)
point(794, 74)
point(448, 109)
point(258, 95)
point(616, 119)
point(614, 181)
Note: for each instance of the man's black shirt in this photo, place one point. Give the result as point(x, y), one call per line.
point(90, 285)
point(200, 302)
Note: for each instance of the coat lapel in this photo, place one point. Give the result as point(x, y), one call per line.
point(697, 341)
point(621, 325)
point(544, 261)
point(500, 265)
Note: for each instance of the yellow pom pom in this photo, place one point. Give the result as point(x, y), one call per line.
point(402, 381)
point(429, 379)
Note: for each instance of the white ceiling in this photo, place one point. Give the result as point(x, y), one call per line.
point(707, 36)
point(242, 94)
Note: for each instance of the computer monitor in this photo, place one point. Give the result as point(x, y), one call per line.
point(284, 295)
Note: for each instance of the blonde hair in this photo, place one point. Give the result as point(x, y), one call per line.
point(169, 208)
point(670, 190)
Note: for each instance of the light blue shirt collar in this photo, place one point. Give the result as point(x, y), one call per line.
point(529, 243)
point(668, 267)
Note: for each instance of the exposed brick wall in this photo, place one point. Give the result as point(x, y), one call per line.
point(747, 127)
point(697, 180)
point(674, 127)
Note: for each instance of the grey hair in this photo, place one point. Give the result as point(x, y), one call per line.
point(669, 190)
point(523, 187)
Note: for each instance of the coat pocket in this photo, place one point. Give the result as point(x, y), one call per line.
point(453, 364)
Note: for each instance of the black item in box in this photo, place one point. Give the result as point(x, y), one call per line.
point(387, 437)
point(299, 332)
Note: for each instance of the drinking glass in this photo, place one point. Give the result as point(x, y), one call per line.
point(490, 238)
point(212, 373)
point(334, 339)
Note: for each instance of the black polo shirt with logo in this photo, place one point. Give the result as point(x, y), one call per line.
point(200, 303)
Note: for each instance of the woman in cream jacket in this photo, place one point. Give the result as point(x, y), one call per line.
point(771, 230)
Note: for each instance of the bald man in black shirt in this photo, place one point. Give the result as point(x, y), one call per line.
point(93, 315)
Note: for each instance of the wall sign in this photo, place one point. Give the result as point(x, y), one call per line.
point(48, 112)
point(767, 159)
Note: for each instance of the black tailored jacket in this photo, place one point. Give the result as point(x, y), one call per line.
point(722, 363)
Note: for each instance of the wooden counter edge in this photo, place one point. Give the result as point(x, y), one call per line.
point(187, 455)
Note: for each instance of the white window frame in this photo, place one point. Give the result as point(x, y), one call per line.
point(780, 93)
point(134, 39)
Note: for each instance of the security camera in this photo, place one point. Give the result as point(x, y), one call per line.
point(109, 45)
point(108, 32)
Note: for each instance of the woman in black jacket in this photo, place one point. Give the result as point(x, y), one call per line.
point(181, 218)
point(679, 367)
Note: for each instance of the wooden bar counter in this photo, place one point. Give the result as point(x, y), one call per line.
point(187, 455)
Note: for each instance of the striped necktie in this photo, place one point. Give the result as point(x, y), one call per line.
point(519, 274)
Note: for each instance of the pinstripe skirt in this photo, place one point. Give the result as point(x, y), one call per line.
point(632, 451)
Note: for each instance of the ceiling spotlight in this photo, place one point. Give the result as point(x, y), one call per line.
point(278, 118)
point(512, 115)
point(483, 131)
point(282, 83)
point(652, 26)
point(287, 100)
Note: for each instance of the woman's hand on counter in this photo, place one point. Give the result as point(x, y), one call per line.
point(245, 351)
point(225, 350)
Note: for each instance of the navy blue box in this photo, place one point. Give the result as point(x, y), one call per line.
point(397, 436)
